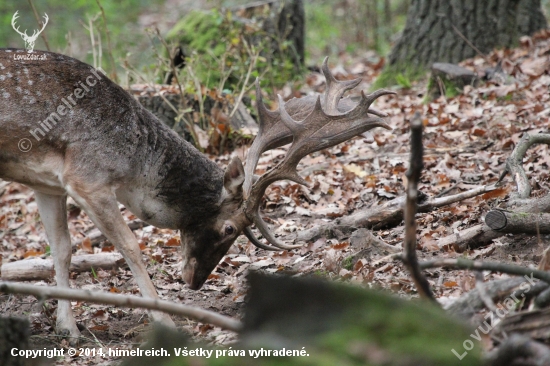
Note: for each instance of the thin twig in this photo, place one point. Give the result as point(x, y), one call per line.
point(98, 297)
point(447, 190)
point(413, 174)
point(40, 23)
point(190, 124)
point(484, 296)
point(95, 338)
point(464, 263)
point(243, 89)
point(109, 48)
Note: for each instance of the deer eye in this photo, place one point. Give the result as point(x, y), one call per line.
point(229, 230)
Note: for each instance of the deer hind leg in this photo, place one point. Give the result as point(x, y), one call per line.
point(53, 213)
point(102, 207)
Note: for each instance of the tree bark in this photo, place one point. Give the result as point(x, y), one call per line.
point(435, 30)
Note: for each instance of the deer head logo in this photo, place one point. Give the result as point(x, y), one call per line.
point(29, 40)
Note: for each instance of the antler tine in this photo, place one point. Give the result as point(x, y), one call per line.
point(335, 89)
point(338, 121)
point(250, 235)
point(271, 134)
point(317, 131)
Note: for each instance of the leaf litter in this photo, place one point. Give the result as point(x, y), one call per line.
point(466, 138)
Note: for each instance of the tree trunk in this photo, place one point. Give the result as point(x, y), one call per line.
point(436, 30)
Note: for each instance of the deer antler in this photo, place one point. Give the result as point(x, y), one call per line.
point(13, 19)
point(320, 128)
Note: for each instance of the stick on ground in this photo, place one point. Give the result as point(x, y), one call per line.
point(463, 263)
point(98, 297)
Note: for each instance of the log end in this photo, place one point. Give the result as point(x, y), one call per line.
point(496, 220)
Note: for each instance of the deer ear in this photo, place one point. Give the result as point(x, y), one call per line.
point(234, 177)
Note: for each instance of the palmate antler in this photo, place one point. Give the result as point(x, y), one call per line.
point(330, 121)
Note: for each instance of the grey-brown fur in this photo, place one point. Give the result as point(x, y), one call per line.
point(115, 131)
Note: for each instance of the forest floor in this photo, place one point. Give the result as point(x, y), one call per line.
point(467, 139)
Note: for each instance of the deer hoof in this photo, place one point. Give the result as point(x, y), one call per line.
point(71, 334)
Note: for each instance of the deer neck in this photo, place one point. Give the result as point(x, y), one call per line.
point(175, 185)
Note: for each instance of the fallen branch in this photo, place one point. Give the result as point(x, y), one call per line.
point(518, 222)
point(514, 162)
point(98, 297)
point(471, 302)
point(36, 269)
point(521, 348)
point(409, 257)
point(480, 235)
point(389, 213)
point(463, 263)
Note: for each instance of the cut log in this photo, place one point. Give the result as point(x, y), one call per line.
point(518, 222)
point(534, 324)
point(42, 269)
point(481, 235)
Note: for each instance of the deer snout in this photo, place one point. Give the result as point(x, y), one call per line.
point(189, 273)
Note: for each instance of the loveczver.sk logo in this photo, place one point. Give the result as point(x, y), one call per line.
point(29, 40)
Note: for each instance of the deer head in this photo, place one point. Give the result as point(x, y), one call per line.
point(325, 121)
point(29, 40)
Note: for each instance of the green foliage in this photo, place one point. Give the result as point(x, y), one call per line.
point(450, 89)
point(65, 30)
point(403, 81)
point(223, 51)
point(333, 27)
point(347, 263)
point(390, 77)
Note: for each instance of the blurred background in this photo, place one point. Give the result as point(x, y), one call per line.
point(332, 27)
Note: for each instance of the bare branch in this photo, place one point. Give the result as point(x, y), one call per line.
point(98, 297)
point(464, 263)
point(515, 161)
point(413, 174)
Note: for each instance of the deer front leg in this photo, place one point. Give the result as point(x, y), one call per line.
point(53, 213)
point(102, 207)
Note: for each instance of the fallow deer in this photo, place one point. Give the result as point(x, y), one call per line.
point(66, 129)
